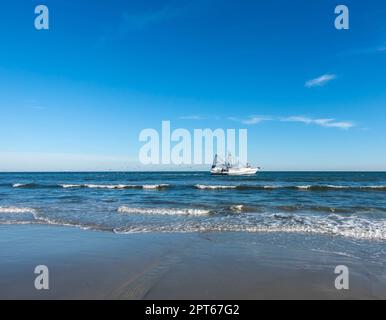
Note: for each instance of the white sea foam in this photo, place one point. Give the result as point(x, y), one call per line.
point(17, 210)
point(332, 224)
point(373, 187)
point(304, 187)
point(238, 208)
point(99, 186)
point(71, 185)
point(107, 186)
point(115, 186)
point(214, 187)
point(14, 222)
point(19, 185)
point(51, 221)
point(163, 211)
point(331, 186)
point(38, 219)
point(155, 186)
point(348, 227)
point(337, 187)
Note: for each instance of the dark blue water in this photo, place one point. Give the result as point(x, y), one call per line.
point(351, 205)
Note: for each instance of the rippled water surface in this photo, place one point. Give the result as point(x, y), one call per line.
point(351, 205)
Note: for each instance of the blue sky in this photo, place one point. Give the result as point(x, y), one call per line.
point(76, 96)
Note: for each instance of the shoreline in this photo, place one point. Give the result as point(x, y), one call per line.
point(206, 170)
point(86, 264)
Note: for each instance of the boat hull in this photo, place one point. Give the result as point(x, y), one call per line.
point(242, 171)
point(234, 171)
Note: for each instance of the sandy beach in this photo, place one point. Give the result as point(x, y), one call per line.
point(100, 265)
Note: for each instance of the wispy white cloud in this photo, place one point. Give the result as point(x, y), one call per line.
point(256, 119)
point(320, 81)
point(322, 122)
point(251, 119)
point(329, 123)
point(192, 117)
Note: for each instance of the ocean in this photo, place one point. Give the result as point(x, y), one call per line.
point(337, 204)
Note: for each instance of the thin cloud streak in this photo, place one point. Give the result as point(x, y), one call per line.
point(322, 122)
point(251, 120)
point(320, 81)
point(192, 117)
point(328, 123)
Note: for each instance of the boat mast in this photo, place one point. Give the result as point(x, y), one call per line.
point(229, 161)
point(214, 161)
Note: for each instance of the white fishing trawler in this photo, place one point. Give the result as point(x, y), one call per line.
point(230, 168)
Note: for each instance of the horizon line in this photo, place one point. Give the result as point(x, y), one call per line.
point(176, 171)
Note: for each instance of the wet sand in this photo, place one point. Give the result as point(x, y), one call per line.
point(87, 264)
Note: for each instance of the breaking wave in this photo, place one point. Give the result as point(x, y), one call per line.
point(240, 208)
point(163, 211)
point(17, 210)
point(214, 187)
point(351, 227)
point(30, 216)
point(155, 186)
point(70, 186)
point(116, 186)
point(338, 187)
point(291, 187)
point(208, 187)
point(333, 224)
point(24, 185)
